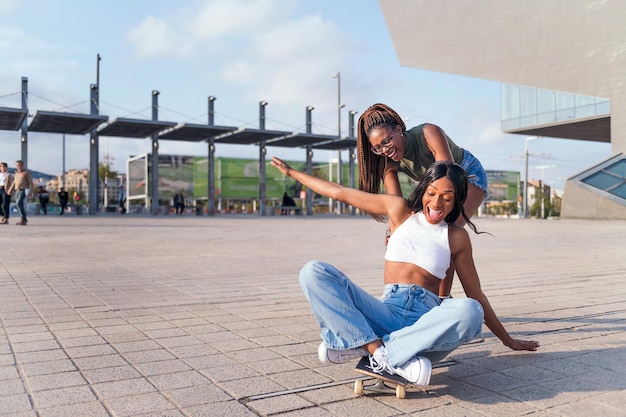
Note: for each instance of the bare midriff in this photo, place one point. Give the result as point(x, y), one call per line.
point(407, 273)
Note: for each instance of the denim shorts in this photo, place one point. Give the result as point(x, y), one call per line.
point(475, 172)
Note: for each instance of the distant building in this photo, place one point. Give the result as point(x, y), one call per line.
point(563, 64)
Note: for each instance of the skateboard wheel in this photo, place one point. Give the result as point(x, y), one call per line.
point(358, 387)
point(400, 392)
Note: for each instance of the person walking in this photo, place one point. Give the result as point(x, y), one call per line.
point(64, 198)
point(44, 199)
point(22, 185)
point(6, 179)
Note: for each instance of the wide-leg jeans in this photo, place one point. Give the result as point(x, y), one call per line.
point(409, 319)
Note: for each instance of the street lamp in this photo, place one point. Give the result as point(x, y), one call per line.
point(339, 107)
point(525, 203)
point(542, 168)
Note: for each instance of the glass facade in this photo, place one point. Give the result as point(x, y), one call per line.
point(611, 179)
point(529, 106)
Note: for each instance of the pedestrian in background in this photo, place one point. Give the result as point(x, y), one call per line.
point(22, 185)
point(64, 197)
point(6, 179)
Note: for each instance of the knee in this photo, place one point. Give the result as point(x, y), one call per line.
point(315, 274)
point(471, 314)
point(311, 274)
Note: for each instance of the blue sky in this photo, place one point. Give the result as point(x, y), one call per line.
point(284, 52)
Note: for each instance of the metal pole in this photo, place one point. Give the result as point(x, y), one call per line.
point(155, 155)
point(63, 174)
point(211, 161)
point(525, 202)
point(262, 152)
point(351, 152)
point(24, 127)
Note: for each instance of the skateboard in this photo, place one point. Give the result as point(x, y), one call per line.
point(386, 383)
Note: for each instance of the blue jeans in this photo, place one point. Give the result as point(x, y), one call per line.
point(409, 319)
point(20, 196)
point(5, 204)
point(476, 174)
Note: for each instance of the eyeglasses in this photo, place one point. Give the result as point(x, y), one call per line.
point(383, 146)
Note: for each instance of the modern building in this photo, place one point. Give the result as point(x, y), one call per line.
point(563, 68)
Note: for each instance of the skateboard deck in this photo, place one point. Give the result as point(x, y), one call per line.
point(386, 383)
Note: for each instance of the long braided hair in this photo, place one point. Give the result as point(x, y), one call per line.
point(372, 166)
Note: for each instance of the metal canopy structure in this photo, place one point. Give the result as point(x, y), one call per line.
point(246, 136)
point(11, 119)
point(297, 140)
point(191, 132)
point(337, 145)
point(70, 123)
point(134, 128)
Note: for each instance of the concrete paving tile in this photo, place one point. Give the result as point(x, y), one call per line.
point(86, 351)
point(149, 403)
point(362, 406)
point(240, 388)
point(115, 373)
point(162, 367)
point(7, 360)
point(277, 365)
point(198, 395)
point(222, 409)
point(252, 355)
point(230, 373)
point(56, 380)
point(13, 404)
point(170, 342)
point(91, 409)
point(63, 396)
point(137, 346)
point(497, 405)
point(34, 346)
point(276, 405)
point(131, 336)
point(123, 387)
point(96, 362)
point(83, 341)
point(589, 408)
point(148, 356)
point(192, 351)
point(41, 356)
point(8, 372)
point(11, 386)
point(49, 367)
point(298, 378)
point(178, 380)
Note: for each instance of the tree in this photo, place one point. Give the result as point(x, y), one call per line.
point(105, 173)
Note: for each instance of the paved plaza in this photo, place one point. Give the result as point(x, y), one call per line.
point(115, 315)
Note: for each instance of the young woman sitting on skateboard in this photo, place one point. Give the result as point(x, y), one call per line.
point(409, 327)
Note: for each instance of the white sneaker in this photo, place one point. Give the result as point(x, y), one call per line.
point(326, 355)
point(416, 370)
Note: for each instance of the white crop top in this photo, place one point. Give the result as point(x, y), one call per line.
point(420, 243)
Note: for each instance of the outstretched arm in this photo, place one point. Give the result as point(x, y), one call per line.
point(372, 203)
point(466, 270)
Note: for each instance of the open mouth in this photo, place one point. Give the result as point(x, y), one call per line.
point(434, 216)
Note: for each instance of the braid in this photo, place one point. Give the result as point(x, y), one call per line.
point(372, 166)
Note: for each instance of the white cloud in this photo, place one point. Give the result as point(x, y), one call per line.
point(8, 6)
point(155, 38)
point(491, 134)
point(220, 18)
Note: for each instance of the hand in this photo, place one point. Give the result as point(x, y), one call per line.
point(519, 344)
point(281, 165)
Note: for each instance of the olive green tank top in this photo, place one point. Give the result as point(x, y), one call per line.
point(417, 157)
